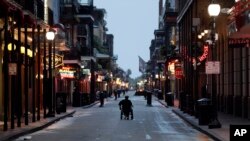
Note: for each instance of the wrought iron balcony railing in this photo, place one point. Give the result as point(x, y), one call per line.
point(35, 7)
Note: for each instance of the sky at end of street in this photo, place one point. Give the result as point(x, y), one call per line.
point(132, 22)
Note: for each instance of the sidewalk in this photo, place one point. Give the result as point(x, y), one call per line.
point(220, 134)
point(11, 134)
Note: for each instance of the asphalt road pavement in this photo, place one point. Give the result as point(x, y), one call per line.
point(150, 123)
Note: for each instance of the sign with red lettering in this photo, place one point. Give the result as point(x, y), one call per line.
point(205, 53)
point(178, 72)
point(238, 43)
point(67, 72)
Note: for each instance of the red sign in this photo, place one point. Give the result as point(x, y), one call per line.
point(178, 73)
point(205, 53)
point(235, 43)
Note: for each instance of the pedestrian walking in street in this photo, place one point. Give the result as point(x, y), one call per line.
point(115, 93)
point(123, 92)
point(101, 98)
point(119, 93)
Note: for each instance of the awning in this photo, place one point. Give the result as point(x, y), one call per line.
point(88, 58)
point(244, 32)
point(238, 35)
point(245, 29)
point(72, 62)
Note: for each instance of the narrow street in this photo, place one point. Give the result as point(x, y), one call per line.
point(156, 123)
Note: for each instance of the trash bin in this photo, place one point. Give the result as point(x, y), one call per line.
point(60, 102)
point(169, 98)
point(85, 99)
point(149, 98)
point(64, 102)
point(204, 111)
point(182, 100)
point(160, 95)
point(77, 99)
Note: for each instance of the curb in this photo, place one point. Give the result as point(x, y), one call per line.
point(191, 123)
point(196, 126)
point(12, 137)
point(90, 105)
point(46, 124)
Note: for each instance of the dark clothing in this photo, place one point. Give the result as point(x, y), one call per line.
point(126, 106)
point(101, 96)
point(115, 93)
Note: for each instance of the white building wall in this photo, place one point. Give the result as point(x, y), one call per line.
point(54, 5)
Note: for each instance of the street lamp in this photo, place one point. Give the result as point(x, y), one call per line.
point(50, 35)
point(214, 11)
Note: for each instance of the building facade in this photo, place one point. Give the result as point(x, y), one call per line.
point(190, 44)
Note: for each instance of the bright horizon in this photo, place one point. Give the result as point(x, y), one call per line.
point(132, 22)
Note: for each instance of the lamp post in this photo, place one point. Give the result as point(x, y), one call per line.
point(5, 72)
point(50, 35)
point(214, 11)
point(53, 78)
point(39, 73)
point(44, 76)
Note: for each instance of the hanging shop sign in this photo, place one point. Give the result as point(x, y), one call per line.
point(238, 43)
point(58, 60)
point(67, 72)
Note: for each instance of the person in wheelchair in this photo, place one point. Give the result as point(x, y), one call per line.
point(125, 106)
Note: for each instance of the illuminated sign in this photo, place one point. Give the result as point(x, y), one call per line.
point(58, 60)
point(66, 72)
point(178, 72)
point(238, 43)
point(205, 53)
point(86, 71)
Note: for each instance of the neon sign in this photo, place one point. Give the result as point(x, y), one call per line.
point(66, 72)
point(58, 60)
point(234, 43)
point(205, 53)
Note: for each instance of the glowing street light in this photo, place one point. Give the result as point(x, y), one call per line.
point(50, 35)
point(213, 11)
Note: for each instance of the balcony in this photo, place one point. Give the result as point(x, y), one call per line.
point(86, 2)
point(68, 10)
point(73, 54)
point(34, 8)
point(69, 3)
point(170, 18)
point(40, 9)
